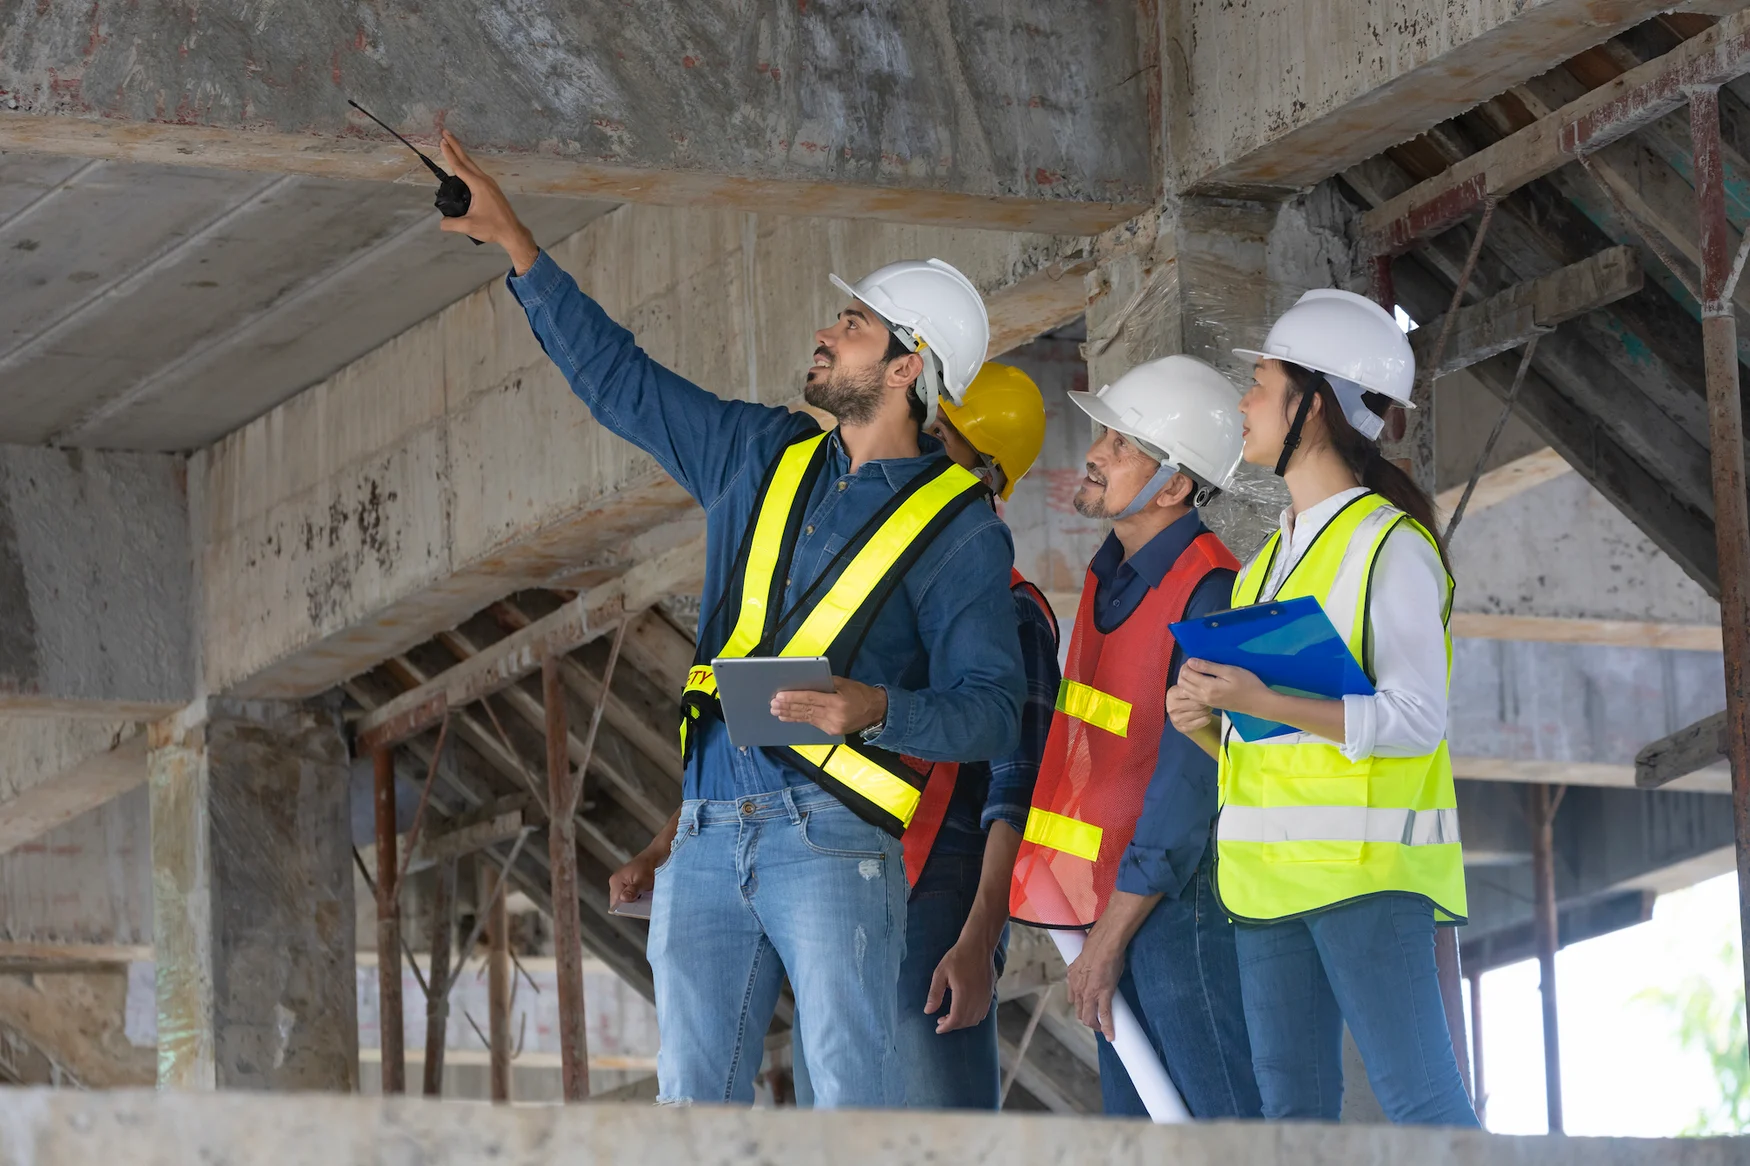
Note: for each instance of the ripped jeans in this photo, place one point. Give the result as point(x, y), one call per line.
point(787, 882)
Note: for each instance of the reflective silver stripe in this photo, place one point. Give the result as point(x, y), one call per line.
point(1336, 824)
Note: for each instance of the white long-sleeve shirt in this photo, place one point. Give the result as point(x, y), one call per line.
point(1406, 717)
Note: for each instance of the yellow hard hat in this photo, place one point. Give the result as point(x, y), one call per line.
point(1002, 416)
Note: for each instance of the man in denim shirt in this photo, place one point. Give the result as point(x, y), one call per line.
point(769, 874)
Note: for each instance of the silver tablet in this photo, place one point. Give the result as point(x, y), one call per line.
point(746, 685)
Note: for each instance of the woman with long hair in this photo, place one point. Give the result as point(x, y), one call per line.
point(1337, 847)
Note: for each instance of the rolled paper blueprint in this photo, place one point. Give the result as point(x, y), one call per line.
point(1132, 1046)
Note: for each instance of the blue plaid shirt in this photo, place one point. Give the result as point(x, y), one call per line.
point(1002, 790)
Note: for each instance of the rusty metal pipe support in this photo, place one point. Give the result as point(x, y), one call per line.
point(562, 859)
point(1719, 339)
point(389, 1019)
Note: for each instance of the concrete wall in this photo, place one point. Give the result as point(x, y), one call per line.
point(95, 582)
point(1561, 549)
point(50, 1128)
point(88, 882)
point(325, 547)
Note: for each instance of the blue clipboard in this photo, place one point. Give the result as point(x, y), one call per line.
point(1290, 645)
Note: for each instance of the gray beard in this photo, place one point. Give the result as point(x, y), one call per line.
point(854, 398)
point(1093, 509)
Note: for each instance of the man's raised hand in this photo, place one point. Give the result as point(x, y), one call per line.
point(490, 218)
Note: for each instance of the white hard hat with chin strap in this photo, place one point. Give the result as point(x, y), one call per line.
point(1179, 411)
point(1355, 343)
point(935, 312)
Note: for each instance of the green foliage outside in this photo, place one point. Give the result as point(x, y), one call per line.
point(1708, 1008)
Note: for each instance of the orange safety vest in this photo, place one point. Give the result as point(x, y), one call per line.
point(920, 836)
point(1111, 708)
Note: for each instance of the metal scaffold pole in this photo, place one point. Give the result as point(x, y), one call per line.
point(388, 926)
point(1719, 339)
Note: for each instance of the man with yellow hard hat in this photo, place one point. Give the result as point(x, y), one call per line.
point(958, 913)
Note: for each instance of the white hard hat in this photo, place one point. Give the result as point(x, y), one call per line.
point(1181, 407)
point(1345, 336)
point(935, 310)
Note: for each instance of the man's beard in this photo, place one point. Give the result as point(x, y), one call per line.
point(852, 396)
point(1092, 508)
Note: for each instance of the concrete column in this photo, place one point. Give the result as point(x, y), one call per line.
point(253, 899)
point(1206, 275)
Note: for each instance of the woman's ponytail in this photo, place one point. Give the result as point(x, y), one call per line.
point(1362, 455)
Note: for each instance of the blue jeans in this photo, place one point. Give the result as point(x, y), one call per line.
point(1181, 977)
point(959, 1069)
point(1369, 963)
point(954, 1070)
point(775, 882)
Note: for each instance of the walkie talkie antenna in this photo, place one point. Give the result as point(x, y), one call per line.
point(453, 196)
point(429, 164)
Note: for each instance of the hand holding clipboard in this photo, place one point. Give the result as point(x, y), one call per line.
point(1290, 645)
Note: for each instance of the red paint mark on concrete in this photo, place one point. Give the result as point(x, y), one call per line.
point(96, 37)
point(811, 147)
point(1035, 101)
point(334, 71)
point(689, 62)
point(1046, 177)
point(359, 42)
point(777, 73)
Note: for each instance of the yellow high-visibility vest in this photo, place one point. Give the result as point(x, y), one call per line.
point(1301, 826)
point(875, 783)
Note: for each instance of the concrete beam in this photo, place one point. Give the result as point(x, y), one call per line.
point(1285, 93)
point(1507, 482)
point(34, 808)
point(59, 1128)
point(976, 114)
point(1513, 317)
point(1606, 114)
point(1602, 775)
point(1622, 633)
point(453, 466)
point(95, 584)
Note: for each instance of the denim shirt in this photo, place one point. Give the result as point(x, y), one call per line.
point(1173, 829)
point(944, 646)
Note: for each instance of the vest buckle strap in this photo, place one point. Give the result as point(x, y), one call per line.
point(1063, 833)
point(895, 798)
point(1099, 709)
point(1277, 824)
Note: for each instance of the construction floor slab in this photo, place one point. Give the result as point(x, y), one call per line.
point(48, 1128)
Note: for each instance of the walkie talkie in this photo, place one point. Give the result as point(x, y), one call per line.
point(453, 196)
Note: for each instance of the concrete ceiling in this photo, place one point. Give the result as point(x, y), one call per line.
point(158, 308)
